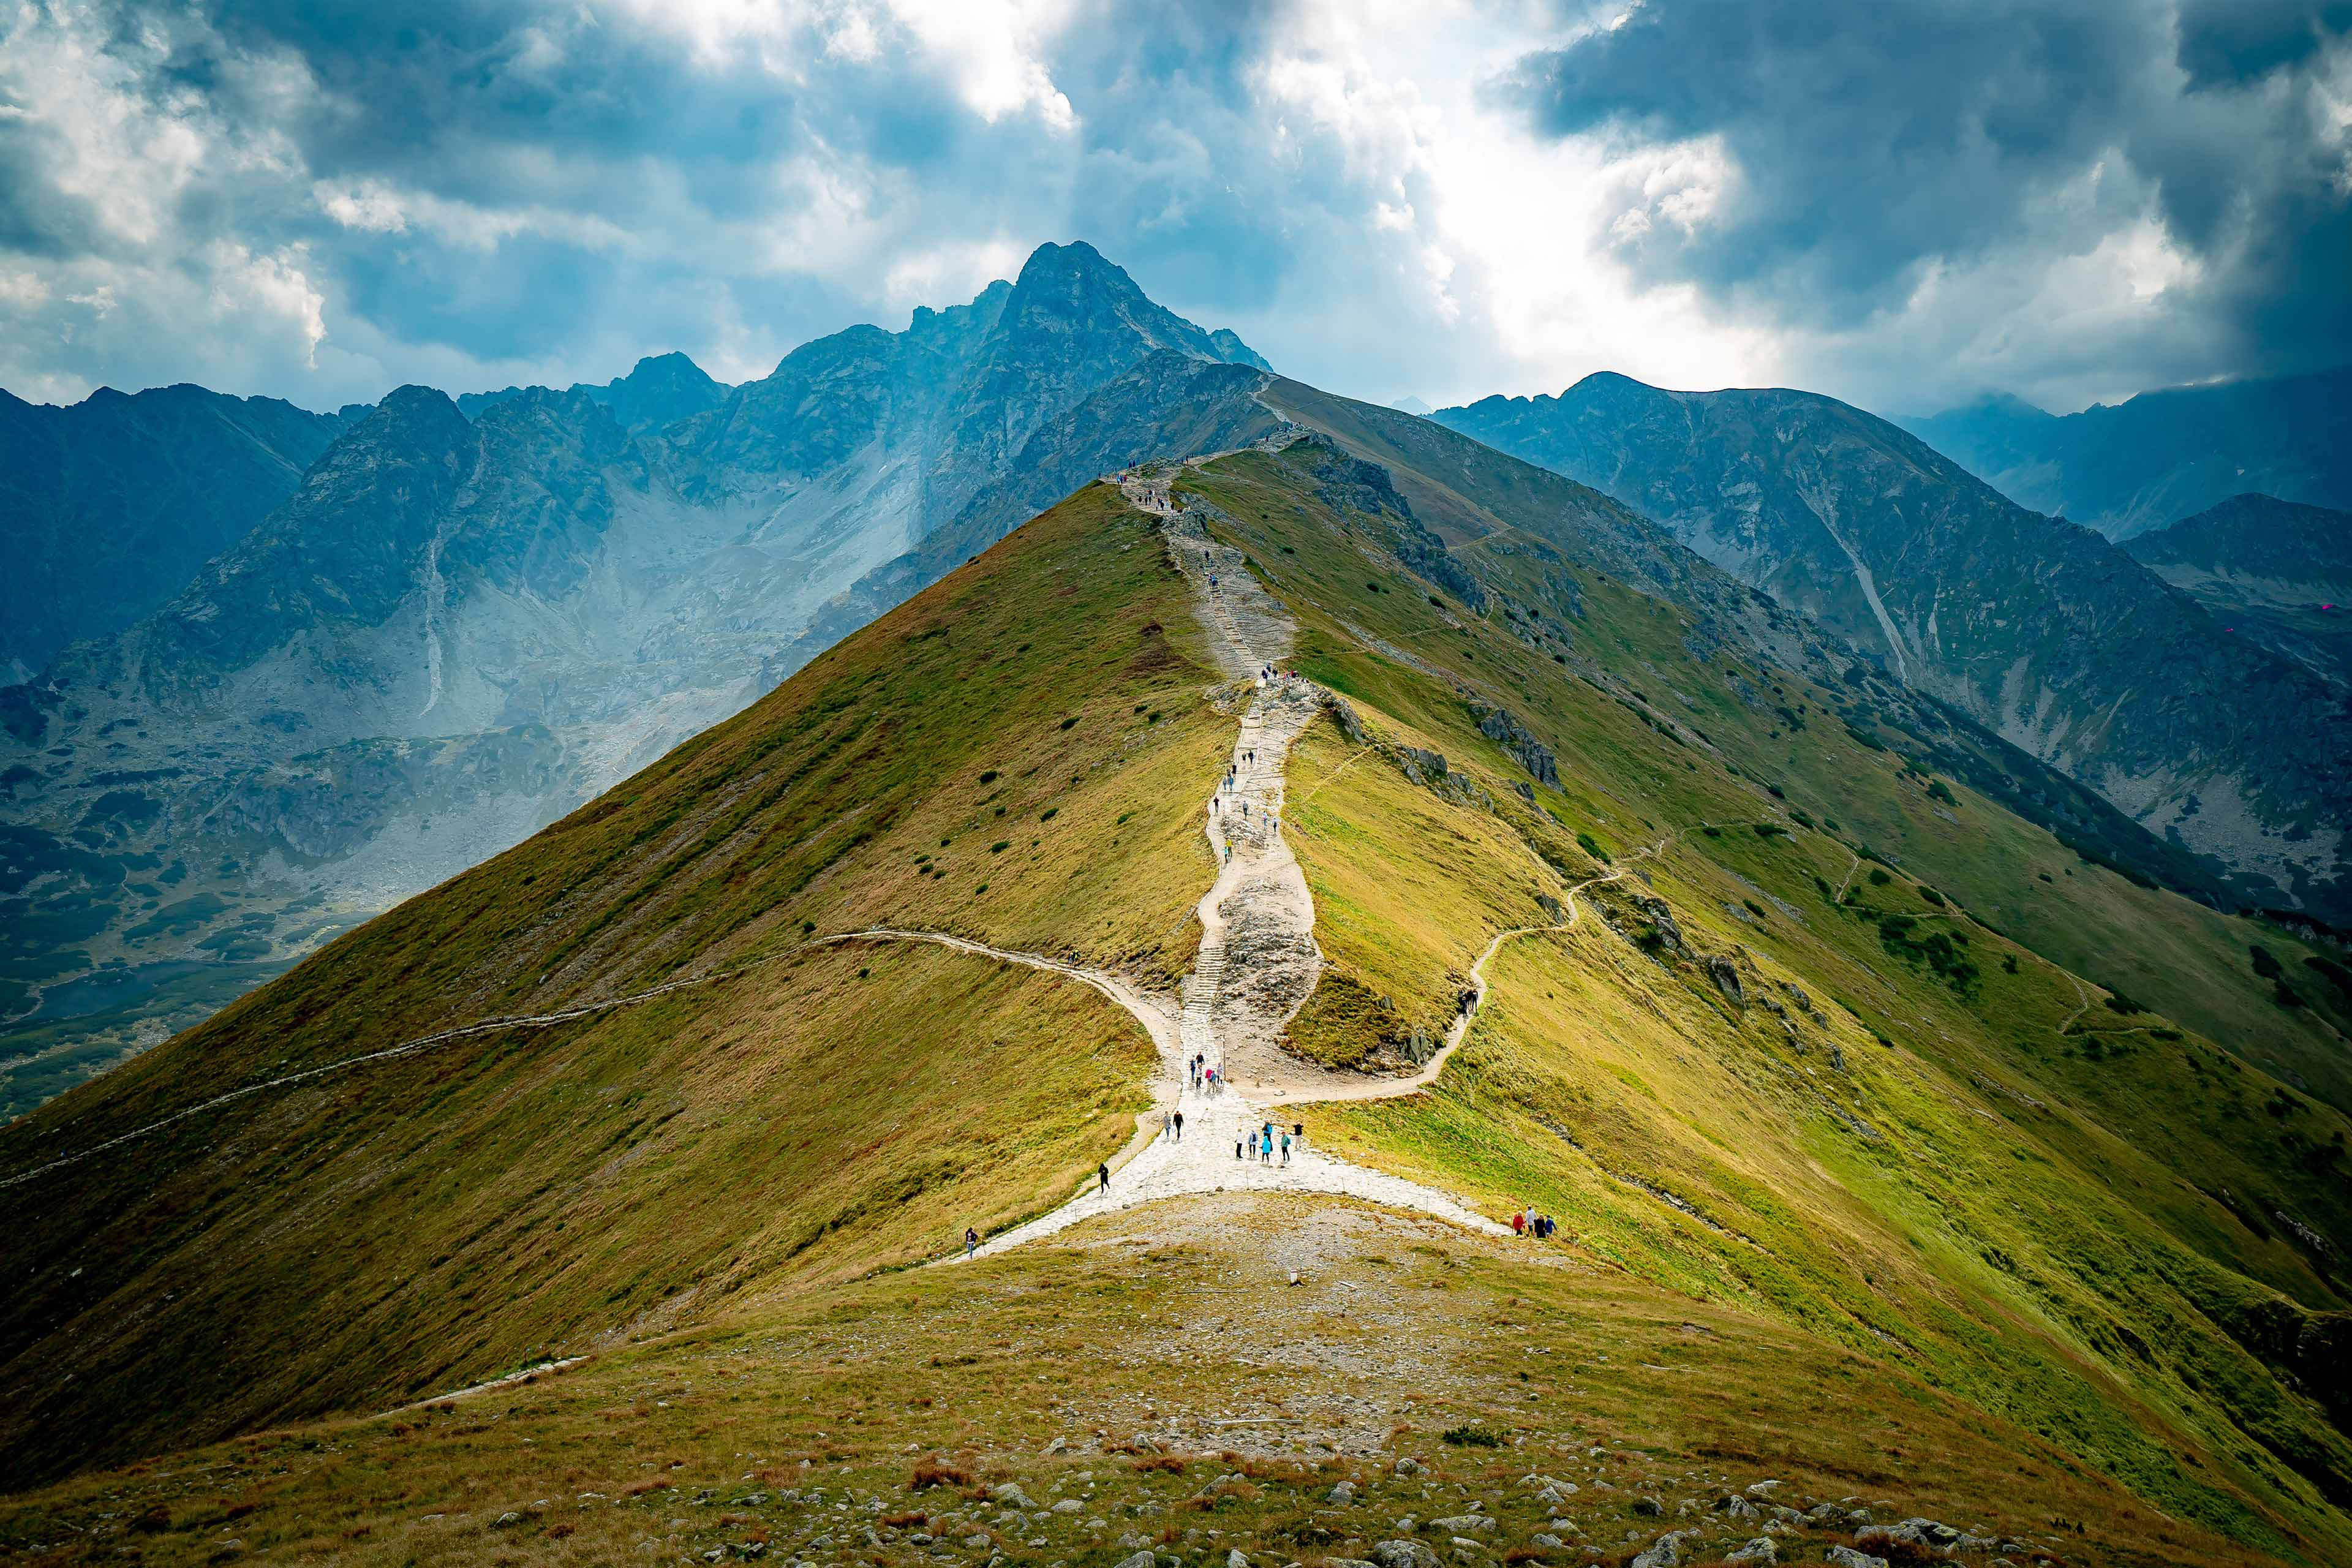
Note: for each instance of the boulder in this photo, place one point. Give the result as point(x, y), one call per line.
point(1236, 1558)
point(1010, 1495)
point(1847, 1557)
point(1725, 976)
point(1759, 1549)
point(1404, 1555)
point(1068, 1505)
point(1462, 1523)
point(1665, 1551)
point(1501, 725)
point(1408, 1467)
point(1140, 1559)
point(1343, 1495)
point(1352, 726)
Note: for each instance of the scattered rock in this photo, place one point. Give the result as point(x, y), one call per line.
point(1847, 1557)
point(1548, 1543)
point(1068, 1505)
point(1648, 1507)
point(975, 1542)
point(506, 1521)
point(1343, 1495)
point(1422, 767)
point(1236, 1559)
point(1408, 1467)
point(1011, 1494)
point(1462, 1523)
point(1738, 1507)
point(1759, 1549)
point(1552, 908)
point(1725, 976)
point(1140, 1559)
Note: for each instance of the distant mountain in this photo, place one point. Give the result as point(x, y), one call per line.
point(2270, 569)
point(662, 390)
point(107, 506)
point(1412, 405)
point(2045, 633)
point(2160, 456)
point(457, 629)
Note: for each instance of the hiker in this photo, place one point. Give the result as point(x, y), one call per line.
point(1237, 1148)
point(1103, 1170)
point(1180, 1127)
point(971, 1241)
point(1519, 1223)
point(1285, 1148)
point(1167, 1125)
point(1253, 1145)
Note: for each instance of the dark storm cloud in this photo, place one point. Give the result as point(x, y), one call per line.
point(1877, 139)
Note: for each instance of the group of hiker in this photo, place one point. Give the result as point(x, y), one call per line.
point(1261, 1144)
point(1526, 1222)
point(1202, 1075)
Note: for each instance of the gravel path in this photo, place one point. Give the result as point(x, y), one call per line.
point(1257, 961)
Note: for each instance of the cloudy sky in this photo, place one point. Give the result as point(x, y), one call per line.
point(1901, 202)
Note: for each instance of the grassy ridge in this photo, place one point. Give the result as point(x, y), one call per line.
point(1015, 755)
point(2014, 1223)
point(1147, 1362)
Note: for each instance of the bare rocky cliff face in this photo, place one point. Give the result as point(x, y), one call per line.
point(2273, 571)
point(456, 629)
point(2044, 632)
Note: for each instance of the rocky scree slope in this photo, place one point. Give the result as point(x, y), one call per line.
point(2043, 632)
point(456, 630)
point(2273, 571)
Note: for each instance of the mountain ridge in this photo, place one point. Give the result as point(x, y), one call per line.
point(2152, 459)
point(2049, 636)
point(457, 628)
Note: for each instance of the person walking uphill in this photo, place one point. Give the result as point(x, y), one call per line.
point(1103, 1170)
point(971, 1241)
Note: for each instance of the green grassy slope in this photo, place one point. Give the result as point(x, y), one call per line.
point(2078, 1215)
point(1014, 755)
point(1146, 1362)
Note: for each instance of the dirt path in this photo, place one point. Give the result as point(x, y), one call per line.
point(1257, 961)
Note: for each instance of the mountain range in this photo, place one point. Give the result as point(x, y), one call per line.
point(2151, 460)
point(2273, 571)
point(454, 629)
point(110, 505)
point(1931, 1181)
point(2042, 631)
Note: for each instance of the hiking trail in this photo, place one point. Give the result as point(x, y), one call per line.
point(1257, 961)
